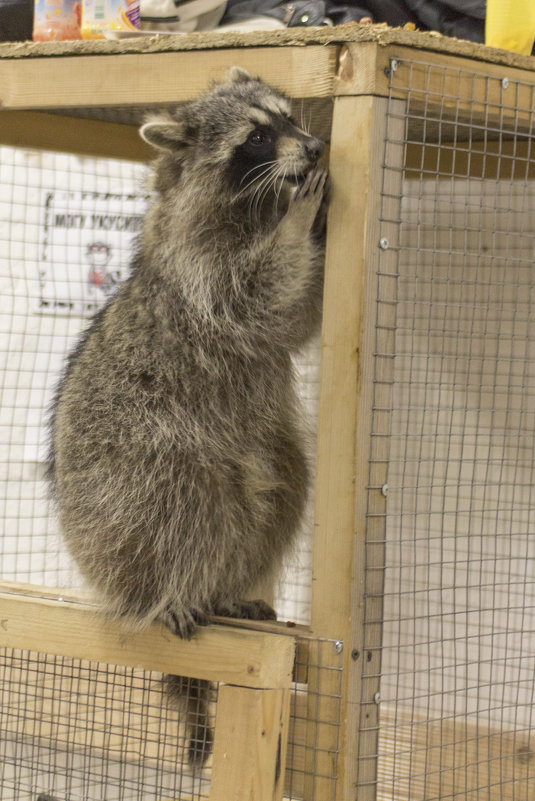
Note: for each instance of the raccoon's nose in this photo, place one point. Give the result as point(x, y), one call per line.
point(313, 149)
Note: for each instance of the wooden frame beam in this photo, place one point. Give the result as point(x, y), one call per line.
point(148, 79)
point(37, 130)
point(216, 653)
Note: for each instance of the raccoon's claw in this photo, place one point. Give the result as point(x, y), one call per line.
point(314, 183)
point(185, 623)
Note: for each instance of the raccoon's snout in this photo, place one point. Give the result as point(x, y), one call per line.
point(313, 149)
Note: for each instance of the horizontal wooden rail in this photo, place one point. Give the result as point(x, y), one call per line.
point(37, 130)
point(141, 79)
point(216, 653)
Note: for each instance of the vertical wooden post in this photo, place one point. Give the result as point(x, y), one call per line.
point(251, 735)
point(350, 513)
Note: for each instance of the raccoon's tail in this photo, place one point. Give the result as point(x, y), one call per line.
point(193, 697)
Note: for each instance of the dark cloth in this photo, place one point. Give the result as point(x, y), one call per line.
point(464, 19)
point(16, 20)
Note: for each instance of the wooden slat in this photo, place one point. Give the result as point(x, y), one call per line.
point(216, 653)
point(452, 758)
point(251, 733)
point(460, 87)
point(373, 425)
point(346, 401)
point(42, 131)
point(158, 78)
point(299, 633)
point(502, 161)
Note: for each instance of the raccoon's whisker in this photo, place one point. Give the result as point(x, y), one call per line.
point(282, 173)
point(270, 185)
point(258, 194)
point(266, 169)
point(261, 196)
point(254, 202)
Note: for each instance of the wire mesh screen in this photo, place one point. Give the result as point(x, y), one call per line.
point(455, 341)
point(67, 227)
point(74, 730)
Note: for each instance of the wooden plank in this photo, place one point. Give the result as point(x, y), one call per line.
point(42, 131)
point(381, 232)
point(82, 81)
point(465, 758)
point(358, 68)
point(501, 160)
point(299, 633)
point(477, 92)
point(482, 93)
point(251, 734)
point(346, 399)
point(215, 653)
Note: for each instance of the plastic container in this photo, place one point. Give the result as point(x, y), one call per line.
point(510, 24)
point(100, 17)
point(56, 20)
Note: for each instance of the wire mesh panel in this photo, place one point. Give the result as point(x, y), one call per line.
point(456, 667)
point(76, 730)
point(66, 225)
point(315, 719)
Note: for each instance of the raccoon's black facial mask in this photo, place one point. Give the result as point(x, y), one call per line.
point(249, 159)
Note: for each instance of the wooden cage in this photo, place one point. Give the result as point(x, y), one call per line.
point(396, 106)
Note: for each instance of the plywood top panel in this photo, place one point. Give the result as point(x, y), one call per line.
point(342, 34)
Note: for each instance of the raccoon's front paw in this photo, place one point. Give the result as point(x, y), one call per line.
point(183, 622)
point(309, 197)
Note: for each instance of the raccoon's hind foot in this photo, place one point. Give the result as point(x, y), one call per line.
point(247, 610)
point(183, 622)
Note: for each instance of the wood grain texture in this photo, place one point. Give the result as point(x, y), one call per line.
point(158, 78)
point(215, 653)
point(453, 758)
point(348, 382)
point(250, 744)
point(63, 134)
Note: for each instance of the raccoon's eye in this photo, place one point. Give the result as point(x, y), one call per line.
point(258, 137)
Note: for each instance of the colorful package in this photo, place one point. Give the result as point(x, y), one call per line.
point(56, 20)
point(100, 16)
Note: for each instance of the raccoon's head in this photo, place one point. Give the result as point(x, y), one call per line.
point(242, 131)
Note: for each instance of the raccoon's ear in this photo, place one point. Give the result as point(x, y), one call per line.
point(165, 133)
point(239, 75)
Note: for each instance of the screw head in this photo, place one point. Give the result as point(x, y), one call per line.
point(505, 83)
point(383, 243)
point(384, 490)
point(377, 698)
point(394, 64)
point(338, 647)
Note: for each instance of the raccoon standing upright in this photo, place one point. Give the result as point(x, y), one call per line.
point(177, 448)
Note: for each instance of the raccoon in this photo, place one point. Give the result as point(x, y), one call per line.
point(178, 463)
